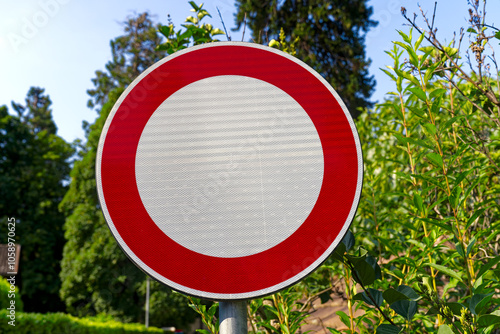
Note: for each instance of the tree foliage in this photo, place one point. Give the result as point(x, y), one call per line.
point(194, 32)
point(96, 275)
point(431, 209)
point(34, 169)
point(132, 53)
point(330, 38)
point(36, 112)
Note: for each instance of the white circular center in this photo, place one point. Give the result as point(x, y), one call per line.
point(229, 166)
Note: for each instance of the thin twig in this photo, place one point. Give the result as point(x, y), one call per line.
point(434, 15)
point(489, 26)
point(244, 27)
point(461, 73)
point(311, 298)
point(468, 99)
point(369, 294)
point(223, 25)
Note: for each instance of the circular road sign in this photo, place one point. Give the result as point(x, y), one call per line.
point(229, 170)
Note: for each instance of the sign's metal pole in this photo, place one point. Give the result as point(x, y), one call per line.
point(233, 317)
point(147, 302)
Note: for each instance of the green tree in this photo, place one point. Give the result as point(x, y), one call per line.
point(131, 54)
point(97, 277)
point(330, 39)
point(430, 208)
point(36, 112)
point(34, 170)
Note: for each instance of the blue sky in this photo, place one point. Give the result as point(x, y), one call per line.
point(59, 44)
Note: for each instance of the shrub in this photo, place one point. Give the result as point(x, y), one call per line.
point(27, 323)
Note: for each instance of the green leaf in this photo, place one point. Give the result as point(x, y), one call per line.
point(407, 76)
point(403, 292)
point(365, 272)
point(217, 31)
point(478, 302)
point(418, 92)
point(191, 19)
point(451, 121)
point(411, 53)
point(418, 201)
point(185, 35)
point(399, 83)
point(455, 196)
point(203, 331)
point(419, 41)
point(202, 14)
point(388, 73)
point(470, 246)
point(271, 309)
point(392, 295)
point(488, 320)
point(344, 318)
point(456, 308)
point(444, 270)
point(469, 189)
point(348, 240)
point(437, 93)
point(460, 249)
point(388, 329)
point(284, 329)
point(274, 44)
point(429, 72)
point(338, 253)
point(376, 295)
point(325, 297)
point(459, 153)
point(195, 7)
point(461, 177)
point(408, 292)
point(450, 51)
point(439, 223)
point(373, 262)
point(436, 159)
point(403, 140)
point(213, 309)
point(166, 30)
point(444, 329)
point(473, 218)
point(436, 106)
point(405, 308)
point(431, 128)
point(418, 244)
point(472, 30)
point(419, 142)
point(405, 37)
point(488, 266)
point(417, 111)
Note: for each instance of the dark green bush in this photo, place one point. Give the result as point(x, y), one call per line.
point(60, 323)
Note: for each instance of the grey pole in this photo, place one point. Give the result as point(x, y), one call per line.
point(147, 302)
point(233, 317)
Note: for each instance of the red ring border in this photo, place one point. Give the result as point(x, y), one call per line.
point(228, 276)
